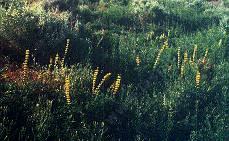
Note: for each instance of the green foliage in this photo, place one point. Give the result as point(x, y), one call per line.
point(43, 34)
point(61, 5)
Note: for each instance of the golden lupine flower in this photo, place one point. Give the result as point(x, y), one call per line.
point(178, 57)
point(205, 56)
point(117, 84)
point(194, 53)
point(158, 57)
point(198, 77)
point(166, 44)
point(96, 72)
point(25, 64)
point(182, 71)
point(185, 56)
point(56, 66)
point(63, 70)
point(65, 53)
point(67, 46)
point(112, 86)
point(138, 60)
point(67, 89)
point(56, 60)
point(62, 63)
point(105, 78)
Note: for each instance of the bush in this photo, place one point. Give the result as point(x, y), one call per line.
point(61, 5)
point(45, 36)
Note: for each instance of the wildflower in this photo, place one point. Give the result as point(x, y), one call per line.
point(96, 72)
point(63, 70)
point(164, 100)
point(112, 86)
point(198, 77)
point(182, 71)
point(65, 53)
point(67, 46)
point(117, 84)
point(166, 44)
point(67, 89)
point(205, 56)
point(194, 53)
point(105, 78)
point(25, 64)
point(158, 57)
point(185, 56)
point(178, 57)
point(56, 61)
point(138, 60)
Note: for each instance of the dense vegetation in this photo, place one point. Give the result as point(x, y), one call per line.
point(114, 70)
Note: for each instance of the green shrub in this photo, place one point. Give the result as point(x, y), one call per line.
point(43, 35)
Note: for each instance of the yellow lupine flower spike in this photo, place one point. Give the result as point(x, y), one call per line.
point(185, 56)
point(65, 53)
point(138, 60)
point(25, 64)
point(67, 47)
point(105, 78)
point(67, 89)
point(178, 57)
point(205, 56)
point(95, 74)
point(182, 71)
point(166, 44)
point(158, 57)
point(194, 53)
point(112, 86)
point(117, 84)
point(56, 60)
point(198, 77)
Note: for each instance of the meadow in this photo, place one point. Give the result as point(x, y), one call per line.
point(125, 70)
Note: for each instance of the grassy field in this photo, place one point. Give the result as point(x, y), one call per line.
point(125, 70)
